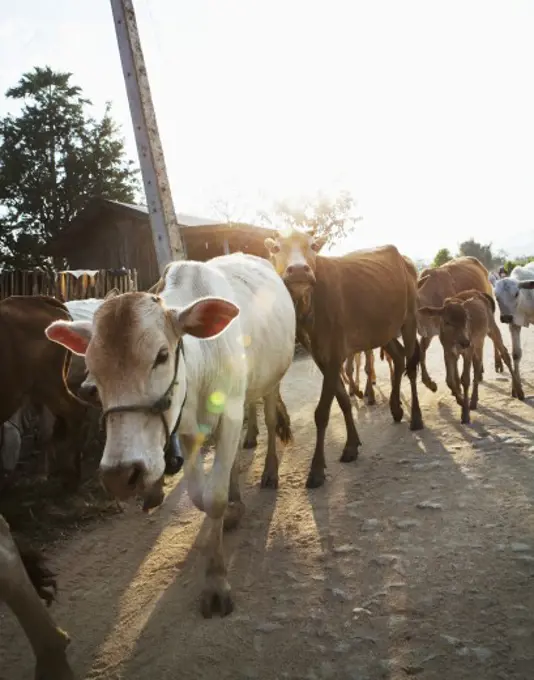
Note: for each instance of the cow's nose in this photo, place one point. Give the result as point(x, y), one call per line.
point(506, 318)
point(122, 481)
point(294, 268)
point(89, 392)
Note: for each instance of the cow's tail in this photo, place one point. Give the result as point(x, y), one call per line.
point(283, 422)
point(414, 361)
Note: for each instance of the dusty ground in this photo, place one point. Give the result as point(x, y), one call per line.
point(354, 580)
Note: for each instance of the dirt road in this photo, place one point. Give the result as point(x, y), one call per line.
point(416, 561)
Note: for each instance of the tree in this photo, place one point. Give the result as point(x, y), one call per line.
point(333, 218)
point(443, 255)
point(53, 156)
point(482, 252)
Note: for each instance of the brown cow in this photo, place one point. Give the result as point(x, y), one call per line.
point(24, 578)
point(434, 286)
point(465, 321)
point(349, 304)
point(351, 374)
point(32, 367)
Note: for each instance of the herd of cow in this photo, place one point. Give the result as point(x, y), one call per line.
point(209, 341)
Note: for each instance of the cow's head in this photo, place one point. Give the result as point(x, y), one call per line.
point(130, 349)
point(507, 292)
point(455, 332)
point(294, 257)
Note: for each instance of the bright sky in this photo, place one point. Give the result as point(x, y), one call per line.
point(423, 109)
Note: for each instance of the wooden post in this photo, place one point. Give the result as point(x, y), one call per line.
point(167, 241)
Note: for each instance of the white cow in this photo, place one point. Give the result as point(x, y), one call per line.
point(161, 360)
point(515, 297)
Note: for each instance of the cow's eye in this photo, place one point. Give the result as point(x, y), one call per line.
point(162, 357)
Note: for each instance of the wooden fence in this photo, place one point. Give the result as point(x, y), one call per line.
point(67, 285)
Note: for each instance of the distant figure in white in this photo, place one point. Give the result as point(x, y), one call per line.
point(515, 297)
point(220, 336)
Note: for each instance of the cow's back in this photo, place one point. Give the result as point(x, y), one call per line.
point(468, 273)
point(26, 354)
point(361, 299)
point(261, 339)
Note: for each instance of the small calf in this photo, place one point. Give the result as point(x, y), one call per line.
point(465, 321)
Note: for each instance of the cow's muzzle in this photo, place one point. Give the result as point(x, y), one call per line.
point(506, 318)
point(299, 273)
point(123, 481)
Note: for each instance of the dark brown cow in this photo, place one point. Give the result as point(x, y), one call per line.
point(465, 321)
point(349, 304)
point(434, 286)
point(24, 578)
point(33, 368)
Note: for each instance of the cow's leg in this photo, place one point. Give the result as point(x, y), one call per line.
point(193, 470)
point(478, 353)
point(352, 366)
point(369, 371)
point(331, 385)
point(350, 451)
point(466, 377)
point(68, 431)
point(499, 368)
point(427, 380)
point(251, 436)
point(496, 336)
point(269, 478)
point(396, 352)
point(48, 642)
point(515, 332)
point(216, 596)
point(452, 376)
point(413, 359)
point(372, 359)
point(236, 508)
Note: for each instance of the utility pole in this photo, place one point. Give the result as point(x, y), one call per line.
point(167, 242)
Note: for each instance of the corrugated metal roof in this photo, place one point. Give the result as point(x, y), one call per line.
point(183, 219)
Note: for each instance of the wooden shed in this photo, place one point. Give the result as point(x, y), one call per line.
point(111, 235)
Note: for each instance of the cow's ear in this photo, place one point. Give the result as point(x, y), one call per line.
point(272, 246)
point(422, 281)
point(318, 243)
point(74, 335)
point(204, 318)
point(526, 285)
point(431, 311)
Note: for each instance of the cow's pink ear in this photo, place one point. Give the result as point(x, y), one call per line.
point(205, 318)
point(74, 335)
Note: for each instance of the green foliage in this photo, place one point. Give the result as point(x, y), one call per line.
point(482, 252)
point(53, 157)
point(509, 265)
point(442, 256)
point(333, 218)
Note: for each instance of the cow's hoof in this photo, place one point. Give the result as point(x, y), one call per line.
point(216, 598)
point(356, 393)
point(315, 479)
point(350, 453)
point(466, 420)
point(250, 443)
point(431, 385)
point(269, 480)
point(473, 406)
point(397, 414)
point(233, 514)
point(417, 423)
